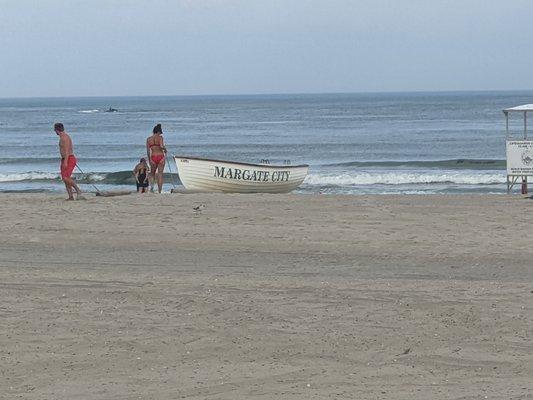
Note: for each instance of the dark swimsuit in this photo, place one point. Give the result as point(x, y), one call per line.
point(141, 179)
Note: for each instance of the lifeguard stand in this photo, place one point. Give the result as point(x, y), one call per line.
point(519, 152)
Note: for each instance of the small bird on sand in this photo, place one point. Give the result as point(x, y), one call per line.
point(405, 352)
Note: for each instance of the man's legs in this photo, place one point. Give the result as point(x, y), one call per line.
point(69, 189)
point(66, 173)
point(71, 184)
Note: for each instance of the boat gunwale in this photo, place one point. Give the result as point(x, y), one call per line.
point(244, 163)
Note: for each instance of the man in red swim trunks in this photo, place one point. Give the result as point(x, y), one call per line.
point(68, 161)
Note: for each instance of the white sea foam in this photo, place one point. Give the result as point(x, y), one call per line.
point(89, 111)
point(27, 176)
point(404, 178)
point(44, 176)
point(95, 177)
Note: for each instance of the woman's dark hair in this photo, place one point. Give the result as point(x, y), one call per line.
point(157, 129)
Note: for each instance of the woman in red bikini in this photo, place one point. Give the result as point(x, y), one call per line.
point(155, 148)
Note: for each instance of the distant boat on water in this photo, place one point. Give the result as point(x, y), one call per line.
point(208, 175)
point(111, 109)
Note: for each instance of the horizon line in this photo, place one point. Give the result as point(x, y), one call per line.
point(269, 94)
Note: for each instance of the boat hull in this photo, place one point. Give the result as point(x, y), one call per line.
point(207, 175)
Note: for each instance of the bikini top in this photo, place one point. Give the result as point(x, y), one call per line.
point(154, 144)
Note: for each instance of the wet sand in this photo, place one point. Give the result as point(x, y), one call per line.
point(266, 297)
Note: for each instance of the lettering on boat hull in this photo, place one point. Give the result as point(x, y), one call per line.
point(251, 175)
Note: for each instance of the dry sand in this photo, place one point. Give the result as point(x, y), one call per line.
point(266, 297)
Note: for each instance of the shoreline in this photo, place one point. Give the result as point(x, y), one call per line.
point(178, 190)
point(266, 296)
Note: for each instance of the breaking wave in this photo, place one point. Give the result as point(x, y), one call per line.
point(403, 178)
point(113, 178)
point(55, 160)
point(351, 178)
point(28, 176)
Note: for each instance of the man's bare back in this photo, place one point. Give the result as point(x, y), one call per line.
point(65, 145)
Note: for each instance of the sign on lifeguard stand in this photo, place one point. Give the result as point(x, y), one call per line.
point(519, 151)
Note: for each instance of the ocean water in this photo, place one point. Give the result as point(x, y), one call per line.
point(354, 143)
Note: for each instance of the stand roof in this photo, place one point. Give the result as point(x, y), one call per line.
point(523, 108)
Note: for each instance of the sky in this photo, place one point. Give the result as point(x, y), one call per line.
point(189, 47)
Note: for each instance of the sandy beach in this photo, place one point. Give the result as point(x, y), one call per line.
point(266, 297)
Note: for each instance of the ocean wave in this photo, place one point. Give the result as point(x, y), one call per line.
point(403, 178)
point(55, 160)
point(459, 163)
point(114, 178)
point(28, 176)
point(89, 111)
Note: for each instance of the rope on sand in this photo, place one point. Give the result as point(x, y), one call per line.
point(105, 194)
point(94, 186)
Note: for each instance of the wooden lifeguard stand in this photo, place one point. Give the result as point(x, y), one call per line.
point(519, 152)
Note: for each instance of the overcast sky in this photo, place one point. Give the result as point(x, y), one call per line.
point(173, 47)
